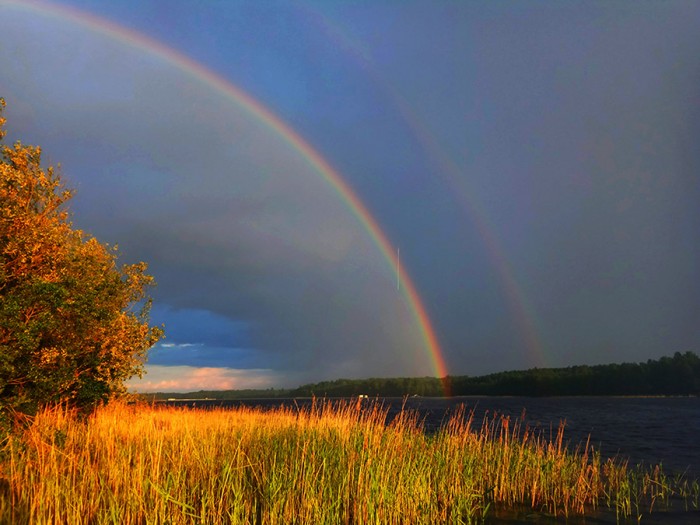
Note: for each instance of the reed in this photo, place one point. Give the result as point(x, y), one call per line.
point(333, 463)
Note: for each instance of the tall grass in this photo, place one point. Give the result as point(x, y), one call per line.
point(332, 463)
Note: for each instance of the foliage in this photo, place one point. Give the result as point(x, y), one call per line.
point(374, 386)
point(219, 395)
point(337, 463)
point(677, 375)
point(73, 324)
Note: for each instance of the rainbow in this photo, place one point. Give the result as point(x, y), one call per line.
point(273, 122)
point(521, 309)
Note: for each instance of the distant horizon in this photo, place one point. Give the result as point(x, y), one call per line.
point(368, 378)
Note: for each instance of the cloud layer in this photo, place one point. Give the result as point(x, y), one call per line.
point(536, 164)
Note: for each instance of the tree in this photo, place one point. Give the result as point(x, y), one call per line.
point(74, 325)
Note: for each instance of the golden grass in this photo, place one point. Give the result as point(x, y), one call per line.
point(334, 463)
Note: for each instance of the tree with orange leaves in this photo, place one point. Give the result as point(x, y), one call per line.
point(74, 325)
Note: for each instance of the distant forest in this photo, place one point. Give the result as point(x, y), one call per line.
point(675, 376)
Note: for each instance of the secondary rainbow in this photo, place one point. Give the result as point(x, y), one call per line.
point(272, 121)
point(521, 309)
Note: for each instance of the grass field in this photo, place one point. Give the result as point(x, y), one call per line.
point(334, 463)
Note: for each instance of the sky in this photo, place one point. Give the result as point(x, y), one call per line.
point(330, 190)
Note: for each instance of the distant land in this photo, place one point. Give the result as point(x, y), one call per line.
point(668, 376)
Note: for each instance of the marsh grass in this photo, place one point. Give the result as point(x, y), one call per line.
point(332, 463)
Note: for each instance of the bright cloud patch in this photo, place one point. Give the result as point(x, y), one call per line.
point(188, 379)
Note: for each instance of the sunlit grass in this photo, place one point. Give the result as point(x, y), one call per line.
point(333, 463)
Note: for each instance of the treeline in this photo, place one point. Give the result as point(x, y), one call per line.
point(677, 375)
point(375, 386)
point(221, 395)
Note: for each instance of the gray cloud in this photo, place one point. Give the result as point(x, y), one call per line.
point(231, 219)
point(571, 210)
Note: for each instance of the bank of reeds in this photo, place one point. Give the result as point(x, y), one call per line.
point(333, 463)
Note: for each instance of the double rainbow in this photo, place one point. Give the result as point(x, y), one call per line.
point(232, 92)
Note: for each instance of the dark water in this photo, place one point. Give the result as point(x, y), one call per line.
point(647, 431)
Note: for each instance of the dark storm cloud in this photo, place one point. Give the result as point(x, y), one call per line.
point(236, 226)
point(565, 231)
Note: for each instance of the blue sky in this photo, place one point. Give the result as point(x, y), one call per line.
point(536, 163)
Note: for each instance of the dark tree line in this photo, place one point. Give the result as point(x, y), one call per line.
point(668, 376)
point(677, 375)
point(385, 387)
